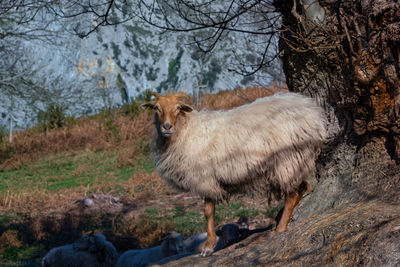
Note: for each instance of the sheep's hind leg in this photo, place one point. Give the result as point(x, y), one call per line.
point(209, 212)
point(291, 200)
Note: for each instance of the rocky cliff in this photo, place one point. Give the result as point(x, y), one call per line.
point(117, 63)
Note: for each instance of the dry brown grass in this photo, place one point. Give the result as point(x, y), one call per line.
point(96, 133)
point(9, 238)
point(233, 98)
point(37, 201)
point(140, 186)
point(147, 186)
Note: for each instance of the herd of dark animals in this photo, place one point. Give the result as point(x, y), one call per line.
point(94, 247)
point(94, 250)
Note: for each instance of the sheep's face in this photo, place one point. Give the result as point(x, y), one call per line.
point(84, 242)
point(168, 109)
point(174, 242)
point(89, 242)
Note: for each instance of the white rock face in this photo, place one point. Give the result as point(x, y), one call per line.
point(117, 63)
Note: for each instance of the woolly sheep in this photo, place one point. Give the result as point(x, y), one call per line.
point(89, 250)
point(195, 242)
point(263, 148)
point(171, 245)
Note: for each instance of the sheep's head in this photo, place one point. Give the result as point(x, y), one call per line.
point(173, 243)
point(168, 108)
point(90, 242)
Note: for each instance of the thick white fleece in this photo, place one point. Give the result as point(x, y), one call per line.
point(267, 146)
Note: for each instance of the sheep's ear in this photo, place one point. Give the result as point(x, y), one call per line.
point(148, 105)
point(155, 94)
point(165, 237)
point(182, 96)
point(185, 108)
point(92, 247)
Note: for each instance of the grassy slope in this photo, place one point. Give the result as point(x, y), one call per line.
point(105, 154)
point(63, 171)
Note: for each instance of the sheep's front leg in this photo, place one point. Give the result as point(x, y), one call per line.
point(209, 212)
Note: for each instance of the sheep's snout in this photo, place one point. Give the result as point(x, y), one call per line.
point(167, 129)
point(167, 126)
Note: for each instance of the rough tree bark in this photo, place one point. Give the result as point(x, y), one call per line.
point(346, 54)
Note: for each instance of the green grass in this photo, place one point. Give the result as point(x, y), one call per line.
point(190, 222)
point(6, 219)
point(233, 211)
point(184, 221)
point(66, 171)
point(22, 253)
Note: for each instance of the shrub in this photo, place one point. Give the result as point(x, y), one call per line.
point(52, 118)
point(132, 109)
point(70, 121)
point(112, 126)
point(5, 149)
point(122, 87)
point(3, 134)
point(145, 96)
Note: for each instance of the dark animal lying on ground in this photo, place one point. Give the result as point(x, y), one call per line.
point(89, 250)
point(171, 245)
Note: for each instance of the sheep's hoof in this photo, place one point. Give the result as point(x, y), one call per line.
point(206, 252)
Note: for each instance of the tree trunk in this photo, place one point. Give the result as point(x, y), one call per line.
point(345, 54)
